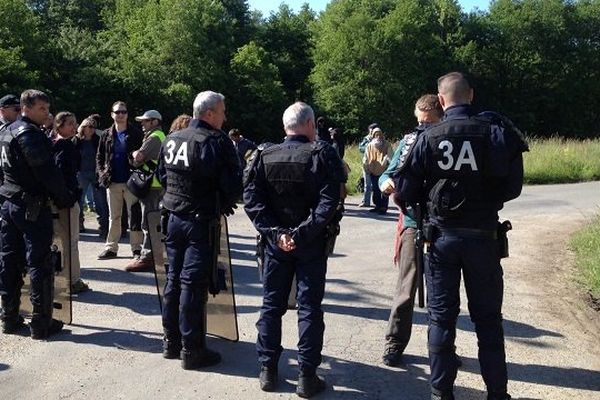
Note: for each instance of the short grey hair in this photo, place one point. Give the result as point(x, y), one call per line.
point(205, 101)
point(30, 96)
point(296, 115)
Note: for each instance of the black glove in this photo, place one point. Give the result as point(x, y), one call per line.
point(228, 211)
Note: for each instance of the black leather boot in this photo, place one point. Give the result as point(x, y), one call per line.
point(198, 355)
point(309, 385)
point(42, 324)
point(268, 378)
point(171, 346)
point(11, 320)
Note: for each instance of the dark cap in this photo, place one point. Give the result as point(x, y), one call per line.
point(373, 126)
point(9, 100)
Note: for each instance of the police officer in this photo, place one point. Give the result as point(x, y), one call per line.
point(428, 112)
point(10, 106)
point(201, 173)
point(291, 195)
point(464, 168)
point(30, 179)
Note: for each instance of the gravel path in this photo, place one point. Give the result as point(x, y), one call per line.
point(112, 350)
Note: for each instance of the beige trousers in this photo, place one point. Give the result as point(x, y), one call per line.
point(117, 194)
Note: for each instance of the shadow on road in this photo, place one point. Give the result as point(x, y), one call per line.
point(141, 303)
point(118, 276)
point(123, 339)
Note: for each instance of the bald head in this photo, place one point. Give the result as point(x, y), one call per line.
point(454, 89)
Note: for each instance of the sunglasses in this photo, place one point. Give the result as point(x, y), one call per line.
point(120, 112)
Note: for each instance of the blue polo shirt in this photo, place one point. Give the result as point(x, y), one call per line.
point(120, 164)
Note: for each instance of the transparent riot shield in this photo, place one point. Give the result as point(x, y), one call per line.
point(221, 310)
point(61, 263)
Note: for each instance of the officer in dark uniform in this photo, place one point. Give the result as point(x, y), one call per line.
point(291, 196)
point(464, 169)
point(30, 179)
point(200, 170)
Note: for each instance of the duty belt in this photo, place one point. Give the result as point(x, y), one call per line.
point(469, 232)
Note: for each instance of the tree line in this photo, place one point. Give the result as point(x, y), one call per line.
point(358, 61)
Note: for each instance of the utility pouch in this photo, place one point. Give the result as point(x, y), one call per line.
point(502, 230)
point(428, 231)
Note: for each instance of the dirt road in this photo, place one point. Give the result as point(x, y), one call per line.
point(112, 351)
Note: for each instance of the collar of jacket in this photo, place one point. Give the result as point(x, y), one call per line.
point(198, 123)
point(459, 111)
point(297, 138)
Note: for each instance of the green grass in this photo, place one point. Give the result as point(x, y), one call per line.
point(553, 160)
point(558, 160)
point(586, 245)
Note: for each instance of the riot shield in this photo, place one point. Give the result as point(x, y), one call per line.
point(221, 310)
point(61, 259)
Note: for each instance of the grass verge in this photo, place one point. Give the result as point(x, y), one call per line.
point(586, 245)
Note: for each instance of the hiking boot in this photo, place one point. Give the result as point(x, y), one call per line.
point(392, 356)
point(267, 378)
point(107, 255)
point(140, 265)
point(79, 287)
point(308, 386)
point(38, 333)
point(200, 358)
point(171, 349)
point(12, 325)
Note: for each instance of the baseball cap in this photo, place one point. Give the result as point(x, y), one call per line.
point(150, 114)
point(10, 100)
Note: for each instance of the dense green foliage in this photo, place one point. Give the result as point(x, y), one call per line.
point(586, 244)
point(358, 61)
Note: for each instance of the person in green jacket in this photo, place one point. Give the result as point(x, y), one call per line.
point(428, 112)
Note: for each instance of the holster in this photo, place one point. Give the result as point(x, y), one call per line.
point(33, 207)
point(164, 221)
point(331, 233)
point(55, 259)
point(502, 230)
